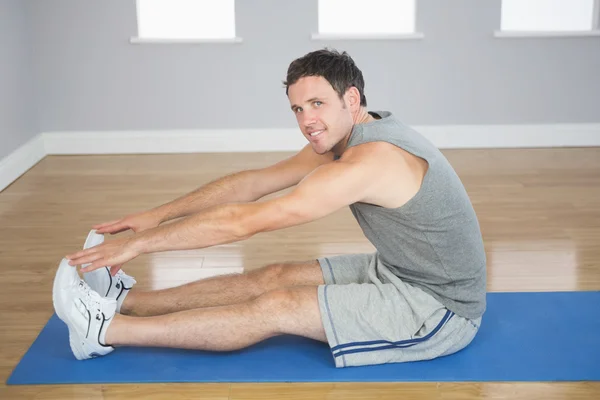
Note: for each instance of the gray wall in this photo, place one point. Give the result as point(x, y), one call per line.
point(91, 78)
point(17, 112)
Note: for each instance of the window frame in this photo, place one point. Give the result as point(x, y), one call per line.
point(370, 36)
point(141, 40)
point(594, 31)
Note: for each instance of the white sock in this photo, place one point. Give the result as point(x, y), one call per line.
point(121, 300)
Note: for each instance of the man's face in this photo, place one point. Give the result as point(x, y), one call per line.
point(322, 116)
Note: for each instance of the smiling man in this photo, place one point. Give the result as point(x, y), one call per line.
point(421, 295)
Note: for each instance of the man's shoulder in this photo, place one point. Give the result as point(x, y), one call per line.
point(367, 151)
point(385, 159)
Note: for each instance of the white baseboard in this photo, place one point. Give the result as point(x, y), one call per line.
point(177, 141)
point(19, 161)
point(512, 136)
point(253, 140)
point(258, 140)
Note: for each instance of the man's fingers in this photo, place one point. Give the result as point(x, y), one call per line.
point(115, 268)
point(80, 253)
point(84, 257)
point(103, 262)
point(109, 227)
point(104, 224)
point(121, 229)
point(93, 266)
point(115, 228)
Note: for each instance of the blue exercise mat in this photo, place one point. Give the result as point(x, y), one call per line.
point(524, 337)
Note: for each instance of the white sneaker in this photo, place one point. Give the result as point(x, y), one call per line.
point(85, 312)
point(113, 287)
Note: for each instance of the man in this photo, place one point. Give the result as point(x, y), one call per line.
point(420, 296)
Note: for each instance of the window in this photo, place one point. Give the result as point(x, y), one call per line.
point(366, 18)
point(186, 20)
point(549, 15)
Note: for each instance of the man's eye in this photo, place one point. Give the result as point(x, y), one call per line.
point(318, 103)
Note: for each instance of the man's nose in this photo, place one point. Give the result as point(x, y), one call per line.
point(309, 118)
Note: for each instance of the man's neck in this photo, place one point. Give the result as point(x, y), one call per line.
point(363, 116)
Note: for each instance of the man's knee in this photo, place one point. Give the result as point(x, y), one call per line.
point(282, 275)
point(268, 277)
point(282, 302)
point(280, 299)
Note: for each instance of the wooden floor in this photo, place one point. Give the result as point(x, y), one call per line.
point(539, 211)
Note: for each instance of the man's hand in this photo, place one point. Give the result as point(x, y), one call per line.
point(111, 254)
point(137, 222)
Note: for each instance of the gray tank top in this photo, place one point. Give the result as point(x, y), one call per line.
point(434, 241)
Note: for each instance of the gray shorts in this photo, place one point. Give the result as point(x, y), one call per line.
point(372, 317)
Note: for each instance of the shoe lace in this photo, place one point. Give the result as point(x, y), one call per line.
point(91, 297)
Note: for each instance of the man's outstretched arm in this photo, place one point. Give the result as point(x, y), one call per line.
point(246, 186)
point(242, 186)
point(326, 190)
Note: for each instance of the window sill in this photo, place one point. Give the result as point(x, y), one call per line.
point(377, 36)
point(138, 40)
point(530, 34)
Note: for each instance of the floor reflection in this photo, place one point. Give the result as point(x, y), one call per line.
point(548, 264)
point(175, 268)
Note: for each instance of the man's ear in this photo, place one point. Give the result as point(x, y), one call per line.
point(353, 98)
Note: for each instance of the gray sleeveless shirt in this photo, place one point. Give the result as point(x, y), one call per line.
point(434, 241)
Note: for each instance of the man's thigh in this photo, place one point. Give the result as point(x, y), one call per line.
point(351, 268)
point(288, 274)
point(291, 298)
point(347, 268)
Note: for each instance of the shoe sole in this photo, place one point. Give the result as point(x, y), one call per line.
point(58, 302)
point(56, 289)
point(94, 239)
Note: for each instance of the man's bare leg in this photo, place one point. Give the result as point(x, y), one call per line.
point(222, 290)
point(286, 311)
